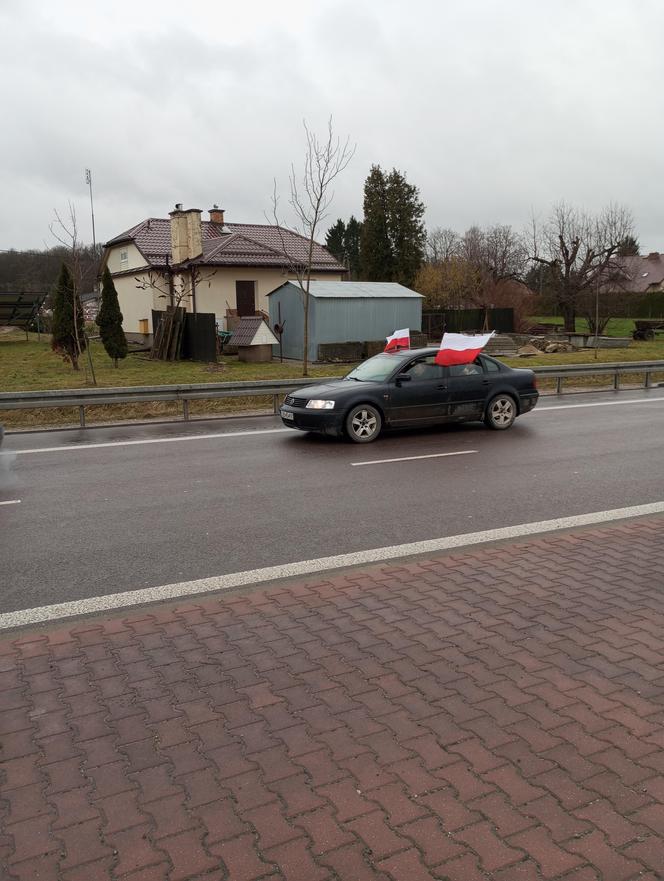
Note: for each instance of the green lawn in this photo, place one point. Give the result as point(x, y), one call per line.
point(615, 327)
point(31, 365)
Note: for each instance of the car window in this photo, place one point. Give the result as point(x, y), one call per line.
point(490, 365)
point(376, 369)
point(473, 369)
point(424, 368)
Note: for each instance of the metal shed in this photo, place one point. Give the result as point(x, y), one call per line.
point(343, 312)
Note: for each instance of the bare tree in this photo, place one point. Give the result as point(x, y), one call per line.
point(442, 244)
point(581, 253)
point(310, 198)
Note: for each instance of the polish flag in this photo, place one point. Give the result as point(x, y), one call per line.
point(400, 339)
point(459, 348)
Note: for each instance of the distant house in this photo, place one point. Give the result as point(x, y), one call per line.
point(90, 301)
point(233, 266)
point(343, 312)
point(643, 274)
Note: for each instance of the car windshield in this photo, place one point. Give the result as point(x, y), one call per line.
point(376, 369)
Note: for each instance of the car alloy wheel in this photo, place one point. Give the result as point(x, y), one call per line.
point(363, 424)
point(501, 412)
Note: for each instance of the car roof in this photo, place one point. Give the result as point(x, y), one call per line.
point(429, 350)
point(410, 353)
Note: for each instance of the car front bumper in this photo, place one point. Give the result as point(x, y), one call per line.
point(323, 421)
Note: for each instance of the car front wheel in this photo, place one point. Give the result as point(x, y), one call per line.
point(363, 424)
point(500, 412)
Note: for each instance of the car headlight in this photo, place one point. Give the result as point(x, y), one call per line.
point(320, 405)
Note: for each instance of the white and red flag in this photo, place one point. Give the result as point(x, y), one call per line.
point(459, 348)
point(400, 339)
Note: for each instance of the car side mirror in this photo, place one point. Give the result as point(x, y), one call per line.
point(403, 377)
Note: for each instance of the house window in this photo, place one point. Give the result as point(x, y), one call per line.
point(124, 259)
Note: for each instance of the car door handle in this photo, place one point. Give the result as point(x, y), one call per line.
point(444, 387)
point(485, 382)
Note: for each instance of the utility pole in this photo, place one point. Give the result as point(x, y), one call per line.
point(88, 180)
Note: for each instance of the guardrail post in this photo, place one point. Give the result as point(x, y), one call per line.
point(185, 409)
point(646, 382)
point(275, 404)
point(559, 385)
point(616, 381)
point(81, 415)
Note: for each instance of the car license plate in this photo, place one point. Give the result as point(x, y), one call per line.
point(286, 414)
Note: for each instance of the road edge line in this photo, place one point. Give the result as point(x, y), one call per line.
point(144, 596)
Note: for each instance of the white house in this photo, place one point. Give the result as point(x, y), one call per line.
point(225, 268)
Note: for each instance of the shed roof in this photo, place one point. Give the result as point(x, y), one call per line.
point(252, 331)
point(356, 290)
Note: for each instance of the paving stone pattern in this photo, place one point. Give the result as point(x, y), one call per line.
point(489, 714)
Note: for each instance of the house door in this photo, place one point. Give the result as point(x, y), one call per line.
point(245, 297)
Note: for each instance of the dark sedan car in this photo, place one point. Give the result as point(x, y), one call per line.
point(408, 389)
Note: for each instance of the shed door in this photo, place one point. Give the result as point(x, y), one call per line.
point(245, 297)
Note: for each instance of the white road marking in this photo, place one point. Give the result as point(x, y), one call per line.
point(309, 567)
point(11, 502)
point(410, 458)
point(596, 404)
point(75, 448)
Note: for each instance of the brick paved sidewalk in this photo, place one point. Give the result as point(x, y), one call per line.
point(491, 714)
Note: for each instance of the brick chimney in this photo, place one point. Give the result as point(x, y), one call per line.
point(186, 236)
point(654, 255)
point(217, 215)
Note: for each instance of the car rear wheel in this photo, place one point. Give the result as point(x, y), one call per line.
point(363, 424)
point(500, 412)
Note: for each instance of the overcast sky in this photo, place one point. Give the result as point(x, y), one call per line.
point(495, 109)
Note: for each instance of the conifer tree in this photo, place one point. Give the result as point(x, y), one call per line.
point(393, 234)
point(68, 323)
point(406, 228)
point(334, 240)
point(110, 321)
point(375, 248)
point(352, 239)
point(629, 247)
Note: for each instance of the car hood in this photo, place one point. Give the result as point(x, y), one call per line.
point(330, 390)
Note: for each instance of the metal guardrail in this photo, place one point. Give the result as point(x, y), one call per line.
point(560, 372)
point(274, 388)
point(82, 398)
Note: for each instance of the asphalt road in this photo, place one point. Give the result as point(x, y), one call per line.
point(117, 509)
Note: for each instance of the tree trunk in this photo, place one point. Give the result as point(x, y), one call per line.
point(305, 336)
point(569, 317)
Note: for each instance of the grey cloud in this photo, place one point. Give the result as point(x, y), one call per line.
point(492, 109)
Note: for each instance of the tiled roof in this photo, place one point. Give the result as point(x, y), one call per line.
point(233, 244)
point(252, 330)
point(643, 272)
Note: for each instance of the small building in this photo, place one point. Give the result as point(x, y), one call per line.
point(253, 339)
point(91, 303)
point(342, 312)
